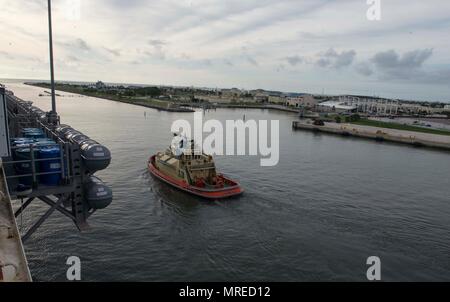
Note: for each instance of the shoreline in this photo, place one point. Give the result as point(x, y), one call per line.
point(417, 139)
point(270, 107)
point(183, 108)
point(137, 103)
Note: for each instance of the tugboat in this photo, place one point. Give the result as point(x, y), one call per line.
point(192, 171)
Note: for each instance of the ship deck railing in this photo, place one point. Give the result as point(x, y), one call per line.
point(20, 111)
point(13, 176)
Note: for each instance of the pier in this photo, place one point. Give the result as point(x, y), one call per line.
point(379, 134)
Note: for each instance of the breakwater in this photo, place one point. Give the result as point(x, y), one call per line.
point(379, 134)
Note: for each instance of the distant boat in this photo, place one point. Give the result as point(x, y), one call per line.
point(48, 94)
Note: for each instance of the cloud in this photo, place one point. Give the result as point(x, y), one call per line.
point(329, 58)
point(251, 60)
point(6, 55)
point(335, 59)
point(157, 49)
point(344, 59)
point(280, 68)
point(81, 44)
point(19, 57)
point(294, 60)
point(156, 43)
point(391, 65)
point(323, 62)
point(279, 36)
point(114, 52)
point(437, 77)
point(76, 44)
point(364, 69)
point(185, 56)
point(71, 61)
point(72, 58)
point(330, 53)
point(157, 54)
point(390, 60)
point(205, 62)
point(228, 62)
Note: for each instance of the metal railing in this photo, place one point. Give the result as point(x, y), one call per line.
point(24, 116)
point(33, 162)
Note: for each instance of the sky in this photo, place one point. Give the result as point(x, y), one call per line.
point(312, 46)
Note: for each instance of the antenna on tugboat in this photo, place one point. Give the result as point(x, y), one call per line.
point(52, 115)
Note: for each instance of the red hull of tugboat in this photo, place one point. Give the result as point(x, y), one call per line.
point(232, 189)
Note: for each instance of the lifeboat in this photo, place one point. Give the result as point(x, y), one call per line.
point(184, 168)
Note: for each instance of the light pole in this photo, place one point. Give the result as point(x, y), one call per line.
point(52, 116)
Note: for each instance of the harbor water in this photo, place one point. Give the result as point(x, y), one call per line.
point(329, 204)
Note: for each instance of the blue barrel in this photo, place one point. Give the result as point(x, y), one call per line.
point(45, 142)
point(43, 139)
point(21, 141)
point(29, 129)
point(51, 165)
point(33, 133)
point(25, 167)
point(32, 130)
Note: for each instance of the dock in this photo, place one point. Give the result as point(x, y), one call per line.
point(13, 263)
point(379, 134)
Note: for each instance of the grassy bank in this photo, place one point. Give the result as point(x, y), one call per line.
point(373, 123)
point(140, 101)
point(148, 101)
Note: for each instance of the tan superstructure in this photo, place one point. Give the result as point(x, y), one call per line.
point(190, 166)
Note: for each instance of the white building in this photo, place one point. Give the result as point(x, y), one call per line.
point(371, 105)
point(336, 106)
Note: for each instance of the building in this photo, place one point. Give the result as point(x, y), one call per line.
point(336, 106)
point(231, 94)
point(277, 99)
point(370, 105)
point(305, 101)
point(415, 108)
point(261, 98)
point(447, 108)
point(258, 91)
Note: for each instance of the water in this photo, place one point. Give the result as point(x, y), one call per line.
point(329, 204)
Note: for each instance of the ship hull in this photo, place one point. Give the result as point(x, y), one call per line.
point(233, 189)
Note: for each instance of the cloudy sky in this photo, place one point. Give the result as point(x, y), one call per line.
point(290, 45)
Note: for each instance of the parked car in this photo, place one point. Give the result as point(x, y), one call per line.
point(318, 122)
